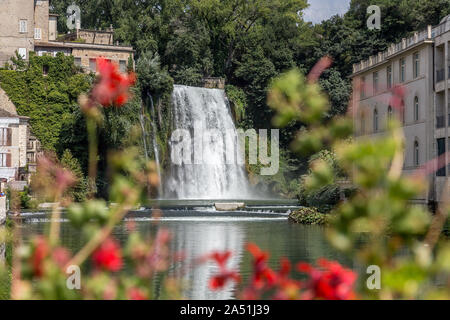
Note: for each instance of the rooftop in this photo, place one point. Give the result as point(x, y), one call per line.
point(424, 36)
point(58, 44)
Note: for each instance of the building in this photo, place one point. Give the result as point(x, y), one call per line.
point(19, 149)
point(14, 132)
point(421, 64)
point(27, 25)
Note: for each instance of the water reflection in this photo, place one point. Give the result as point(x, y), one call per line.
point(196, 237)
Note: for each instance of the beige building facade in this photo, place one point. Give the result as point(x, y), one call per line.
point(420, 64)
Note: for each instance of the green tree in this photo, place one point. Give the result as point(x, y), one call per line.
point(79, 190)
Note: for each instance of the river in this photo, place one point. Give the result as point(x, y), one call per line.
point(198, 236)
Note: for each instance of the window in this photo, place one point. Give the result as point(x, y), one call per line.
point(23, 52)
point(93, 65)
point(389, 77)
point(416, 66)
point(77, 62)
point(416, 153)
point(416, 109)
point(375, 120)
point(123, 66)
point(375, 82)
point(402, 70)
point(441, 161)
point(5, 137)
point(363, 84)
point(5, 160)
point(23, 26)
point(37, 34)
point(31, 158)
point(389, 113)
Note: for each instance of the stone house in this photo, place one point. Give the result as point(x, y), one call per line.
point(28, 25)
point(421, 64)
point(19, 150)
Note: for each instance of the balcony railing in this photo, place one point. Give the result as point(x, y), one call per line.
point(440, 75)
point(440, 122)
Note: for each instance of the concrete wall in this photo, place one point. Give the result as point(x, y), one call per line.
point(11, 12)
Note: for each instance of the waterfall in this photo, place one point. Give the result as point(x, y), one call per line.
point(142, 120)
point(197, 111)
point(155, 145)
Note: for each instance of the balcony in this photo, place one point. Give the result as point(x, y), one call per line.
point(440, 75)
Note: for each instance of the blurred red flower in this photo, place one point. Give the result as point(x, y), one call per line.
point(136, 294)
point(108, 256)
point(61, 256)
point(262, 274)
point(334, 282)
point(113, 86)
point(41, 251)
point(225, 275)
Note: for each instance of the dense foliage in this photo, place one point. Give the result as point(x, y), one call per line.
point(47, 91)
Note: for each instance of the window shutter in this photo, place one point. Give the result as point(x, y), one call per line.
point(9, 138)
point(37, 33)
point(8, 160)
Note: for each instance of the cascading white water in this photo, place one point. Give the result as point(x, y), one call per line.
point(215, 177)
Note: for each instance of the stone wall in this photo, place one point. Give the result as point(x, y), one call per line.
point(5, 103)
point(41, 17)
point(96, 37)
point(12, 11)
point(86, 54)
point(214, 83)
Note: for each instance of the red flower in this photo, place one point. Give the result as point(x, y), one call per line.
point(219, 281)
point(225, 275)
point(136, 294)
point(334, 282)
point(112, 89)
point(221, 258)
point(262, 273)
point(108, 256)
point(41, 251)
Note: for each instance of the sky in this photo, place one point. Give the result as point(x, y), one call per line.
point(319, 10)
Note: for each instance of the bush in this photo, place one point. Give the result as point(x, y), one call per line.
point(310, 216)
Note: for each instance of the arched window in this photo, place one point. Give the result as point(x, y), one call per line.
point(375, 120)
point(389, 113)
point(416, 153)
point(416, 109)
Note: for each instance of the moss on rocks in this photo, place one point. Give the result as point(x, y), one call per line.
point(309, 216)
